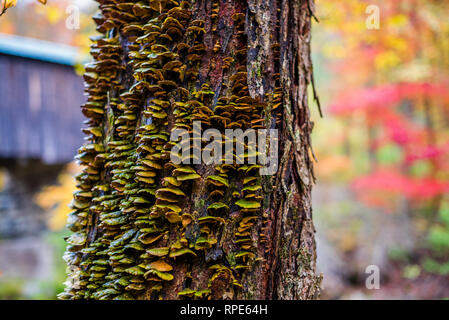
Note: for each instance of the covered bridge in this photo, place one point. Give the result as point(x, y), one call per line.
point(40, 131)
point(40, 127)
point(40, 95)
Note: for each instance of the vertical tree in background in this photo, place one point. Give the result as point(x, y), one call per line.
point(146, 228)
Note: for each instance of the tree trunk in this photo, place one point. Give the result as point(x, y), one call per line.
point(148, 228)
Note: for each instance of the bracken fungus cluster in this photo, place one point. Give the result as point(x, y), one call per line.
point(141, 223)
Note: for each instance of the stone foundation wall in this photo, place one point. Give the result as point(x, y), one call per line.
point(26, 256)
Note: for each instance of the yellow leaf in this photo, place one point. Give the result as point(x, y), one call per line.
point(10, 3)
point(55, 199)
point(54, 15)
point(3, 178)
point(42, 1)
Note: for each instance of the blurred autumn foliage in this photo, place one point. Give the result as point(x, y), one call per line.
point(385, 134)
point(56, 199)
point(392, 94)
point(400, 99)
point(48, 22)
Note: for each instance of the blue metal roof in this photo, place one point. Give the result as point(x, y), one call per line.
point(38, 49)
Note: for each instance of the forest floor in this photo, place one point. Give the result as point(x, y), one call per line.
point(426, 286)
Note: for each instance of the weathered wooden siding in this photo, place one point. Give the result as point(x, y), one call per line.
point(40, 114)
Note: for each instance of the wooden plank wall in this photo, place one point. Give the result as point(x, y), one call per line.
point(40, 115)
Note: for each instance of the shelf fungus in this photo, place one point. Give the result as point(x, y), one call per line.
point(133, 221)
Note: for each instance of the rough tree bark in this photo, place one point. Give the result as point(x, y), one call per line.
point(146, 228)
